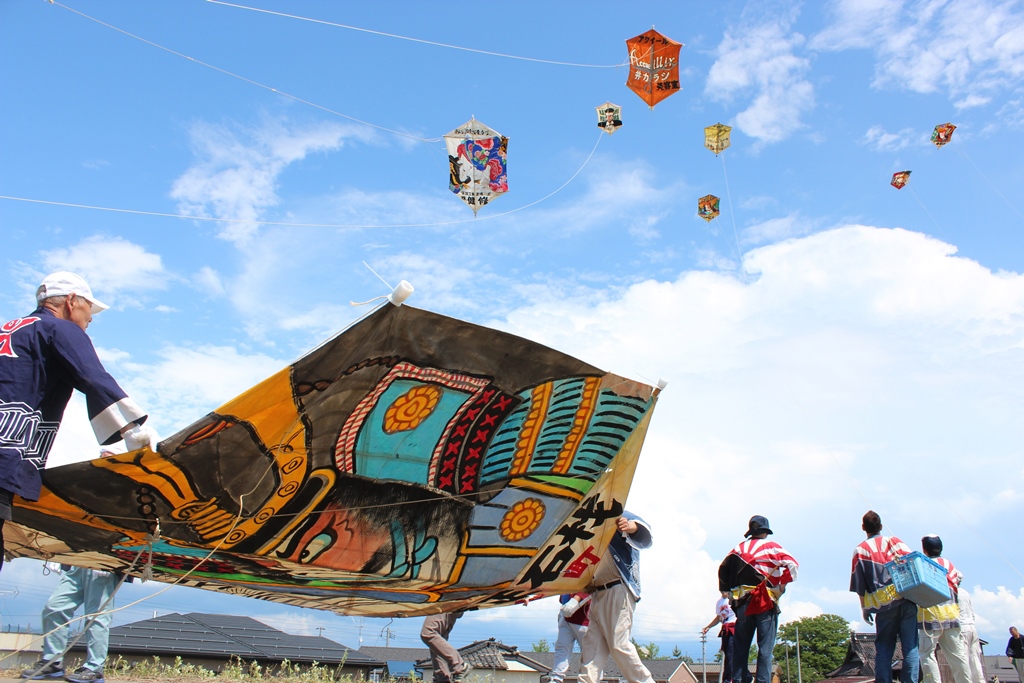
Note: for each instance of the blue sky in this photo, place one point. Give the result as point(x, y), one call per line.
point(831, 344)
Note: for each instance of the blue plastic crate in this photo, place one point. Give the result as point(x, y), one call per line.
point(919, 579)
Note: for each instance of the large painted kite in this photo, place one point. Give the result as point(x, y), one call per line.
point(413, 464)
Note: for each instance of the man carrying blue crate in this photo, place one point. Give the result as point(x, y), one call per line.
point(940, 625)
point(894, 617)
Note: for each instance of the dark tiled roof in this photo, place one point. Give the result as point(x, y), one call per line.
point(860, 658)
point(662, 669)
point(222, 636)
point(999, 665)
point(487, 654)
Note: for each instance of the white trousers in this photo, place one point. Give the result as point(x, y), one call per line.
point(568, 635)
point(611, 622)
point(953, 648)
point(972, 649)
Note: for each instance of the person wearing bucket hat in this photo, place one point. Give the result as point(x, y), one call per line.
point(894, 617)
point(44, 357)
point(755, 573)
point(940, 624)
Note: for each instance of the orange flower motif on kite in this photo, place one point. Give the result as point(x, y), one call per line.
point(653, 66)
point(707, 207)
point(716, 137)
point(900, 179)
point(942, 134)
point(609, 117)
point(477, 157)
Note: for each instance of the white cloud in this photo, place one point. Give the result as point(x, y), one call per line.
point(971, 101)
point(185, 383)
point(188, 381)
point(996, 610)
point(961, 47)
point(880, 140)
point(451, 263)
point(208, 280)
point(776, 229)
point(853, 368)
point(118, 271)
point(759, 61)
point(236, 172)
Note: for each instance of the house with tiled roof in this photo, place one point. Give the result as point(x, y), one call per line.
point(213, 640)
point(999, 666)
point(859, 665)
point(495, 661)
point(712, 671)
point(662, 670)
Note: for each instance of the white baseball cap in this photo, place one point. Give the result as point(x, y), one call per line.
point(64, 283)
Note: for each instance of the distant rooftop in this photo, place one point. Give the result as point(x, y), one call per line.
point(224, 636)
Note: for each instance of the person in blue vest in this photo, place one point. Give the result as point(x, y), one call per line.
point(614, 592)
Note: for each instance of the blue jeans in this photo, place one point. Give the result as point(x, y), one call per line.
point(898, 621)
point(80, 587)
point(766, 625)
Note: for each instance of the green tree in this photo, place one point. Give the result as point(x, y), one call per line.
point(676, 652)
point(648, 651)
point(541, 646)
point(823, 643)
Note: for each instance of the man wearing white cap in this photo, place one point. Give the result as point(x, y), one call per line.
point(43, 358)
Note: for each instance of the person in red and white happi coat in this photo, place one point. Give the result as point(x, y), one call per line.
point(756, 573)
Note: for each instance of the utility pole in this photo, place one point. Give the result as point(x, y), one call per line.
point(320, 630)
point(799, 676)
point(787, 663)
point(703, 655)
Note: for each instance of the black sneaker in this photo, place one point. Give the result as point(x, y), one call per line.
point(43, 670)
point(84, 675)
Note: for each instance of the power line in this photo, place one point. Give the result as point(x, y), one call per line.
point(288, 224)
point(416, 40)
point(243, 78)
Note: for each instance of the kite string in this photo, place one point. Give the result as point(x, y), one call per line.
point(732, 214)
point(929, 213)
point(92, 617)
point(158, 214)
point(243, 78)
point(415, 40)
point(961, 149)
point(554, 192)
point(172, 584)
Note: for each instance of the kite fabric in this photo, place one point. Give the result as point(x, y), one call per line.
point(942, 134)
point(716, 137)
point(413, 464)
point(653, 66)
point(609, 117)
point(477, 163)
point(900, 179)
point(707, 207)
